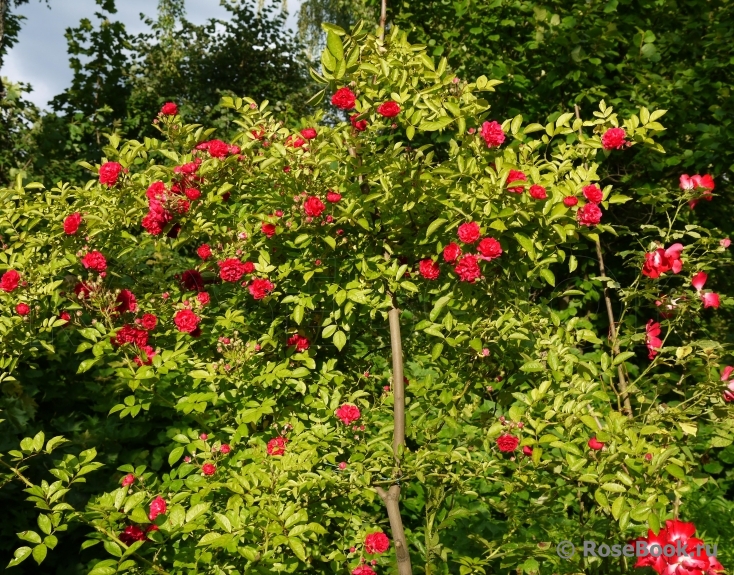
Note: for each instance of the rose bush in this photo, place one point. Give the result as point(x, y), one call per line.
point(353, 353)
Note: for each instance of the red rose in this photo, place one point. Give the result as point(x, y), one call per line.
point(65, 316)
point(308, 133)
point(186, 320)
point(231, 269)
point(593, 193)
point(661, 261)
point(507, 443)
point(359, 125)
point(225, 449)
point(537, 192)
point(192, 280)
point(157, 507)
point(126, 302)
point(268, 229)
point(313, 207)
point(570, 201)
point(218, 149)
point(294, 142)
point(613, 139)
point(652, 338)
point(299, 342)
point(259, 288)
point(22, 309)
point(710, 300)
point(9, 281)
point(132, 534)
point(71, 223)
point(493, 134)
point(276, 446)
point(190, 168)
point(204, 251)
point(203, 298)
point(344, 99)
point(149, 321)
point(429, 269)
point(130, 334)
point(152, 224)
point(489, 248)
point(249, 267)
point(388, 109)
point(109, 172)
point(469, 232)
point(363, 570)
point(169, 109)
point(589, 215)
point(595, 444)
point(468, 269)
point(192, 194)
point(156, 191)
point(348, 413)
point(208, 469)
point(129, 479)
point(95, 261)
point(451, 252)
point(527, 450)
point(516, 176)
point(333, 197)
point(149, 352)
point(376, 543)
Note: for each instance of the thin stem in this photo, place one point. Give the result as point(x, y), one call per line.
point(383, 19)
point(613, 337)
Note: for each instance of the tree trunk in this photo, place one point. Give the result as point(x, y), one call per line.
point(391, 498)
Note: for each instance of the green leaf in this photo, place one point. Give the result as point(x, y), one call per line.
point(435, 125)
point(196, 511)
point(112, 548)
point(675, 471)
point(20, 555)
point(44, 523)
point(532, 367)
point(334, 45)
point(298, 314)
point(297, 547)
point(433, 226)
point(39, 553)
point(527, 245)
point(87, 364)
point(134, 500)
point(622, 357)
point(548, 276)
point(340, 340)
point(617, 506)
point(175, 455)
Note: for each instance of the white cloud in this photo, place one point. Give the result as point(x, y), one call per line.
point(40, 57)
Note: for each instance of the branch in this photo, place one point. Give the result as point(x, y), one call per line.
point(383, 19)
point(610, 314)
point(391, 499)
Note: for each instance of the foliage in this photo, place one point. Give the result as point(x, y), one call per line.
point(494, 346)
point(121, 80)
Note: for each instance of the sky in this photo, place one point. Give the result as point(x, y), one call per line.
point(40, 59)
